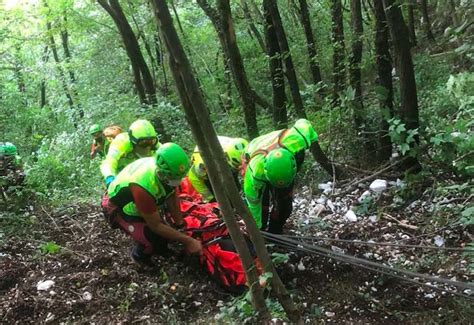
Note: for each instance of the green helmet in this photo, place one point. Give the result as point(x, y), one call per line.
point(94, 129)
point(8, 149)
point(141, 130)
point(172, 162)
point(280, 167)
point(235, 152)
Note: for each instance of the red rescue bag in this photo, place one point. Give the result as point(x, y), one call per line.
point(220, 258)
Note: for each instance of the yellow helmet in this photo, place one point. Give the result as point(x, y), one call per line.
point(234, 152)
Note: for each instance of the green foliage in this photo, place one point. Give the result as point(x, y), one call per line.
point(403, 138)
point(467, 216)
point(366, 206)
point(50, 248)
point(452, 138)
point(280, 258)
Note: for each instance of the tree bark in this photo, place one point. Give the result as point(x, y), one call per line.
point(206, 138)
point(280, 118)
point(272, 8)
point(44, 59)
point(339, 72)
point(222, 22)
point(62, 76)
point(355, 61)
point(411, 22)
point(426, 20)
point(143, 79)
point(67, 59)
point(310, 43)
point(383, 61)
point(406, 73)
point(253, 28)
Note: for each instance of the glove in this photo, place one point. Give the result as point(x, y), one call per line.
point(108, 180)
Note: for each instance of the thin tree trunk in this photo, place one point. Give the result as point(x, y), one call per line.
point(280, 118)
point(67, 58)
point(384, 79)
point(62, 76)
point(426, 20)
point(160, 61)
point(44, 59)
point(411, 22)
point(222, 22)
point(406, 73)
point(272, 8)
point(141, 71)
point(310, 43)
point(227, 100)
point(339, 72)
point(355, 61)
point(206, 138)
point(143, 79)
point(253, 28)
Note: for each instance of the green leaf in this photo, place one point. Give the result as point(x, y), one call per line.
point(50, 248)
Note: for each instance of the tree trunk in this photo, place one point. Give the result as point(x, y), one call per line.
point(206, 138)
point(280, 118)
point(160, 62)
point(310, 43)
point(142, 76)
point(44, 59)
point(143, 79)
point(411, 22)
point(253, 28)
point(67, 58)
point(406, 73)
point(339, 72)
point(222, 21)
point(355, 61)
point(426, 20)
point(271, 7)
point(384, 79)
point(62, 76)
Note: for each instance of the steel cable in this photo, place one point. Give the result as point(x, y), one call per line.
point(364, 263)
point(302, 249)
point(368, 243)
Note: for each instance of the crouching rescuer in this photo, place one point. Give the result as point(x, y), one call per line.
point(271, 163)
point(139, 195)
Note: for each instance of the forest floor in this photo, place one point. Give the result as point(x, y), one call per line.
point(95, 280)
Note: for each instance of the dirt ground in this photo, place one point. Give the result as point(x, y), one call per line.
point(95, 280)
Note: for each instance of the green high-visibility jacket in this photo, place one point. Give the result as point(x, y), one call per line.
point(197, 174)
point(299, 137)
point(142, 172)
point(121, 154)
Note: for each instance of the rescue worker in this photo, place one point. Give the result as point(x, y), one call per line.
point(272, 161)
point(98, 146)
point(233, 149)
point(133, 200)
point(101, 139)
point(140, 141)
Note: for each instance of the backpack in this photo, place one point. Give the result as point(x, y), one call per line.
point(220, 258)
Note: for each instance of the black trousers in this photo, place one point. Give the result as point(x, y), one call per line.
point(277, 203)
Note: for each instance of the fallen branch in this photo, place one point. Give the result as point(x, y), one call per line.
point(400, 223)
